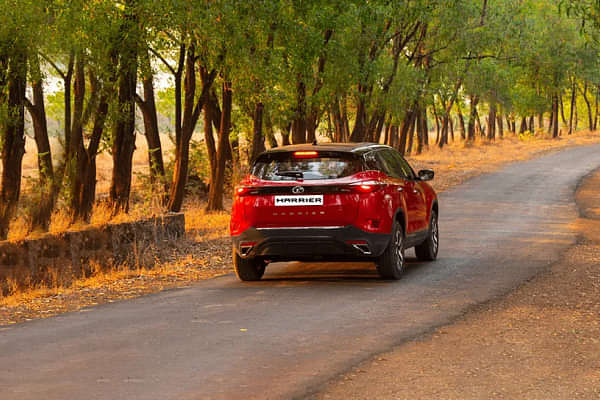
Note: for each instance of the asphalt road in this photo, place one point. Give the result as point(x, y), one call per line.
point(304, 323)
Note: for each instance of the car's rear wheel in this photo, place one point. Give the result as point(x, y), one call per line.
point(428, 250)
point(391, 263)
point(248, 269)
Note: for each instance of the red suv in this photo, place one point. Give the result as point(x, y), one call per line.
point(334, 202)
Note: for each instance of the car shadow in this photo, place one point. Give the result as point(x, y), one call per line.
point(348, 272)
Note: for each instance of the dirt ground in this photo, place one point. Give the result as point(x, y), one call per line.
point(540, 342)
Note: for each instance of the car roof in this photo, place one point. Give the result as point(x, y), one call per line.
point(359, 148)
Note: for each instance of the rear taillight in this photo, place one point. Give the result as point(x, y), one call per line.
point(367, 187)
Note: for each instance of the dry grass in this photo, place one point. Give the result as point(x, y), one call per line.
point(101, 215)
point(206, 250)
point(187, 261)
point(206, 225)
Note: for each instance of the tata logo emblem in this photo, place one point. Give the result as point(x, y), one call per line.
point(297, 190)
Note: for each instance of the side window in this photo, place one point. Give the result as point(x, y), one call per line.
point(407, 171)
point(390, 164)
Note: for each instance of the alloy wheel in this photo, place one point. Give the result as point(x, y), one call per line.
point(399, 248)
point(435, 238)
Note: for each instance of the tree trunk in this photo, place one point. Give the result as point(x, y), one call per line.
point(360, 125)
point(444, 135)
point(178, 75)
point(48, 187)
point(375, 126)
point(67, 81)
point(555, 116)
point(576, 119)
point(513, 124)
point(472, 118)
point(147, 106)
point(407, 122)
point(386, 134)
point(421, 130)
point(124, 132)
point(88, 191)
point(531, 124)
point(461, 121)
point(299, 123)
point(234, 148)
point(37, 110)
point(411, 132)
point(589, 107)
point(562, 110)
point(81, 169)
point(215, 195)
point(596, 110)
point(394, 139)
point(209, 138)
point(270, 130)
point(479, 126)
point(425, 130)
point(437, 123)
point(258, 139)
point(573, 105)
point(76, 150)
point(13, 138)
point(491, 122)
point(124, 126)
point(312, 123)
point(285, 135)
point(346, 120)
point(338, 124)
point(523, 128)
point(191, 114)
point(446, 109)
point(500, 127)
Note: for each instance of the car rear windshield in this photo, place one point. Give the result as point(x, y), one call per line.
point(293, 166)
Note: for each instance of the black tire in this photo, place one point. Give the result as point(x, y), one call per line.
point(391, 263)
point(248, 269)
point(428, 250)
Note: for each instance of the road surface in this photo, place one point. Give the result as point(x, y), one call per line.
point(304, 324)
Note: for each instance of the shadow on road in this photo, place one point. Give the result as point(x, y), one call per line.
point(333, 272)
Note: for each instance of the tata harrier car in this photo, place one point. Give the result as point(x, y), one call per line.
point(333, 202)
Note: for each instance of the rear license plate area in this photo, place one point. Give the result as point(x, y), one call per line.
point(304, 200)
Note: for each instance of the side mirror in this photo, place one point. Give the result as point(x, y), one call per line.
point(426, 174)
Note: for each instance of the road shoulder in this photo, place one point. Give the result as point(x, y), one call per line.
point(541, 341)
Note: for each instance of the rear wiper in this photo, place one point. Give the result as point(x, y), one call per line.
point(291, 174)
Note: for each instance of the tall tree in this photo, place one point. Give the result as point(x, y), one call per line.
point(123, 135)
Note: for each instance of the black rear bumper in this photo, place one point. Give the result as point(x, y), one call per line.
point(303, 244)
